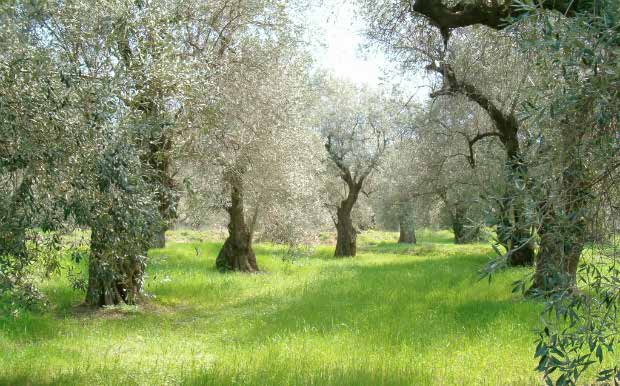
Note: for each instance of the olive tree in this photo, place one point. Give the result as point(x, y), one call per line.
point(252, 140)
point(356, 124)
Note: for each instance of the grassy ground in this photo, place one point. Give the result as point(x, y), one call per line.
point(392, 315)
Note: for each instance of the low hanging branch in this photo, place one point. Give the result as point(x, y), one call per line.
point(495, 14)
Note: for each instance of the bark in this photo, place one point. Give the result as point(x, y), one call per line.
point(563, 232)
point(518, 242)
point(407, 233)
point(494, 14)
point(406, 222)
point(158, 239)
point(462, 235)
point(236, 253)
point(346, 240)
point(112, 278)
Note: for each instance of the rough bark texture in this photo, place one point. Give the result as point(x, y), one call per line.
point(346, 240)
point(494, 14)
point(112, 279)
point(158, 240)
point(563, 231)
point(236, 253)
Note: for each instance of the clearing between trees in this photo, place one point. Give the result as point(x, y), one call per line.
point(395, 314)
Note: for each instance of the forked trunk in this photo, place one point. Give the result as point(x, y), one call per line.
point(236, 253)
point(112, 279)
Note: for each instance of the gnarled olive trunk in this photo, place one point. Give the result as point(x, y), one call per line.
point(113, 277)
point(346, 238)
point(236, 253)
point(558, 257)
point(406, 223)
point(563, 232)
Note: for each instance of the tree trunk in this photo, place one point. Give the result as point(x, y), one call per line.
point(563, 232)
point(514, 231)
point(158, 239)
point(236, 253)
point(406, 222)
point(462, 235)
point(407, 234)
point(159, 161)
point(112, 278)
point(458, 226)
point(346, 239)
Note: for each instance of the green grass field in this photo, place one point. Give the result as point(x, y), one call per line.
point(411, 315)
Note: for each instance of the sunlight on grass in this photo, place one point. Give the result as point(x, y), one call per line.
point(392, 315)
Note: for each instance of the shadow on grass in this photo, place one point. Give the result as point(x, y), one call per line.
point(390, 304)
point(375, 303)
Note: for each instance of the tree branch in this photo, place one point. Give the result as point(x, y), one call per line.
point(494, 14)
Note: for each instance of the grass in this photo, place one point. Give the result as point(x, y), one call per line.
point(392, 315)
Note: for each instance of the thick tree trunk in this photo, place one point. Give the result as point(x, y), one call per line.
point(346, 238)
point(158, 239)
point(563, 232)
point(236, 253)
point(112, 278)
point(407, 233)
point(406, 222)
point(513, 232)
